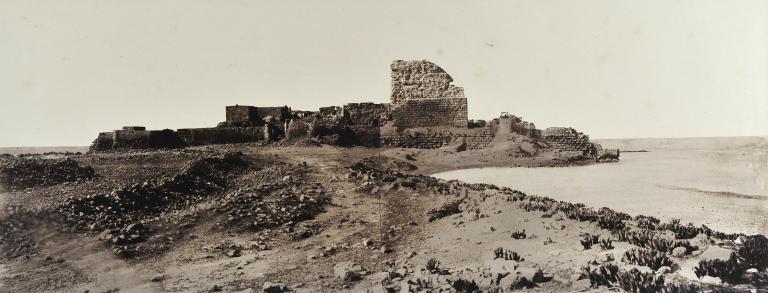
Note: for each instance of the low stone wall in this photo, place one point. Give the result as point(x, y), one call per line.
point(431, 138)
point(221, 135)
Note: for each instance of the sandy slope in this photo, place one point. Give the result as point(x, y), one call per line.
point(379, 228)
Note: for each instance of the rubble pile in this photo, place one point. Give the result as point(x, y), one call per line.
point(13, 241)
point(23, 173)
point(123, 240)
point(447, 209)
point(130, 204)
point(273, 205)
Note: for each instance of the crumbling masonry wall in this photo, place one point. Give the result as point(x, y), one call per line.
point(221, 135)
point(423, 96)
point(425, 111)
point(421, 79)
point(366, 114)
point(431, 138)
point(568, 141)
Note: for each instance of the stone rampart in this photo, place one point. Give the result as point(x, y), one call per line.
point(221, 135)
point(128, 138)
point(431, 138)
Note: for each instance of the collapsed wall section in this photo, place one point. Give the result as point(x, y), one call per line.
point(366, 114)
point(567, 141)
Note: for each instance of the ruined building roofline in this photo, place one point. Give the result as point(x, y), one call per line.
point(425, 111)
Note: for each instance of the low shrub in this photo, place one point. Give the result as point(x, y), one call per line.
point(606, 244)
point(647, 222)
point(587, 240)
point(649, 240)
point(650, 258)
point(681, 231)
point(519, 235)
point(727, 270)
point(754, 252)
point(633, 280)
point(507, 254)
point(464, 286)
point(434, 266)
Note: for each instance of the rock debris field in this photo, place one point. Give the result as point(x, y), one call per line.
point(247, 218)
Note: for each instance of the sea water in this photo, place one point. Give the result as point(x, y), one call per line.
point(719, 182)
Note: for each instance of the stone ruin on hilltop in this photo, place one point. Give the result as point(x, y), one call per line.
point(425, 111)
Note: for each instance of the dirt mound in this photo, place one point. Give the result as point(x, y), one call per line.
point(130, 204)
point(283, 194)
point(23, 173)
point(299, 142)
point(251, 211)
point(388, 164)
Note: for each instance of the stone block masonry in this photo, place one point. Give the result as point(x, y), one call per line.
point(425, 111)
point(431, 113)
point(423, 96)
point(568, 141)
point(221, 135)
point(135, 137)
point(431, 138)
point(242, 116)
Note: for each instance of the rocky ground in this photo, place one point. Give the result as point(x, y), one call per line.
point(248, 218)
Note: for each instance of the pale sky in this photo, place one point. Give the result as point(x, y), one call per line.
point(610, 68)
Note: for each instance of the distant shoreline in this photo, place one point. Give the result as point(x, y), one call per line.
point(41, 150)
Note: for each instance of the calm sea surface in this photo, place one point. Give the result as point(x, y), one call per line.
point(720, 182)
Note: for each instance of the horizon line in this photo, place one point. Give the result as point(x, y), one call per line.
point(617, 138)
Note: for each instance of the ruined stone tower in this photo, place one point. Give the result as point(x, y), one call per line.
point(424, 96)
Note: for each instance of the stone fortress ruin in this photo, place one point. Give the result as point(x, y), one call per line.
point(425, 111)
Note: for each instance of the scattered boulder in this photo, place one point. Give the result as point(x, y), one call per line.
point(664, 270)
point(158, 278)
point(679, 251)
point(348, 271)
point(270, 287)
point(447, 209)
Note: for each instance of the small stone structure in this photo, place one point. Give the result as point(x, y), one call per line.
point(425, 111)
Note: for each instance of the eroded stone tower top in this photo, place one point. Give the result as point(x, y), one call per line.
point(421, 79)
